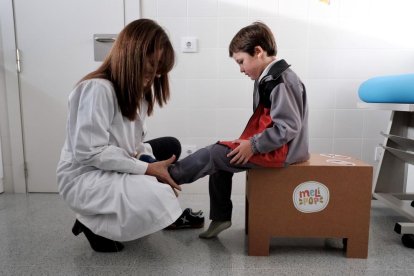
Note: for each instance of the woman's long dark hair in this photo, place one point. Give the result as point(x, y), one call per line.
point(142, 49)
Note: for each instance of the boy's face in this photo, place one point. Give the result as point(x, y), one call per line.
point(252, 66)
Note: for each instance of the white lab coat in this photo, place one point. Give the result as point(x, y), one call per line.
point(98, 175)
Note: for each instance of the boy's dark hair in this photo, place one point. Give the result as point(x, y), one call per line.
point(256, 34)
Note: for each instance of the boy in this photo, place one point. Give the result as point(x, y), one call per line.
point(275, 136)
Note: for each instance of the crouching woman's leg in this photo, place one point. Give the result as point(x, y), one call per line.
point(97, 243)
point(165, 147)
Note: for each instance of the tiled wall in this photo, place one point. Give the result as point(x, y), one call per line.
point(333, 48)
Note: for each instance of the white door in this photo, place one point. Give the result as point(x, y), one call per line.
point(55, 39)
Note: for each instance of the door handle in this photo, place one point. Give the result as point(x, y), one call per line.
point(105, 39)
point(102, 44)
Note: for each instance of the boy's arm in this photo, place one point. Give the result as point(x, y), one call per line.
point(286, 113)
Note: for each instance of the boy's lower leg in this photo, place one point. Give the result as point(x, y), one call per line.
point(220, 185)
point(212, 161)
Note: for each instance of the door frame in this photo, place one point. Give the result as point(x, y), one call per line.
point(14, 120)
point(132, 11)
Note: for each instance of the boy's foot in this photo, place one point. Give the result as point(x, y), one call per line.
point(188, 219)
point(214, 229)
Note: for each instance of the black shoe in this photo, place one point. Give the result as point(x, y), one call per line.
point(408, 240)
point(98, 243)
point(188, 219)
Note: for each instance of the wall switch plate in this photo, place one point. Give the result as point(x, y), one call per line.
point(189, 44)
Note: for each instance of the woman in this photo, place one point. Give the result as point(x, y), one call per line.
point(106, 173)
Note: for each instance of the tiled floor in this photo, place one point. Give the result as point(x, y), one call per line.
point(35, 239)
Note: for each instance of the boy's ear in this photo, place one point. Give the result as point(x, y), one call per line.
point(258, 51)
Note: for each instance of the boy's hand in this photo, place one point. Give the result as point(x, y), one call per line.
point(160, 171)
point(242, 153)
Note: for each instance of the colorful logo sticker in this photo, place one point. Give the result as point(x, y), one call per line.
point(311, 197)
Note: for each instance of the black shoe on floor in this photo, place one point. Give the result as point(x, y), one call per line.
point(408, 240)
point(188, 219)
point(98, 243)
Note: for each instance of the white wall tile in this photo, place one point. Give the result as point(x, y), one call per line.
point(297, 60)
point(375, 121)
point(371, 63)
point(374, 63)
point(355, 8)
point(321, 93)
point(148, 8)
point(201, 65)
point(321, 145)
point(205, 29)
point(239, 184)
point(178, 94)
point(198, 187)
point(202, 93)
point(347, 93)
point(202, 8)
point(168, 122)
point(323, 10)
point(176, 27)
point(393, 62)
point(179, 70)
point(168, 8)
point(322, 64)
point(291, 33)
point(383, 8)
point(321, 123)
point(354, 64)
point(235, 93)
point(228, 68)
point(232, 8)
point(359, 33)
point(263, 8)
point(377, 33)
point(231, 122)
point(348, 123)
point(323, 33)
point(199, 142)
point(202, 122)
point(227, 29)
point(293, 8)
point(349, 147)
point(368, 150)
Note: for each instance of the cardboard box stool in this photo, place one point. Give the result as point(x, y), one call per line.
point(329, 196)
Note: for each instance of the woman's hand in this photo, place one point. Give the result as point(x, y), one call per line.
point(160, 171)
point(242, 153)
